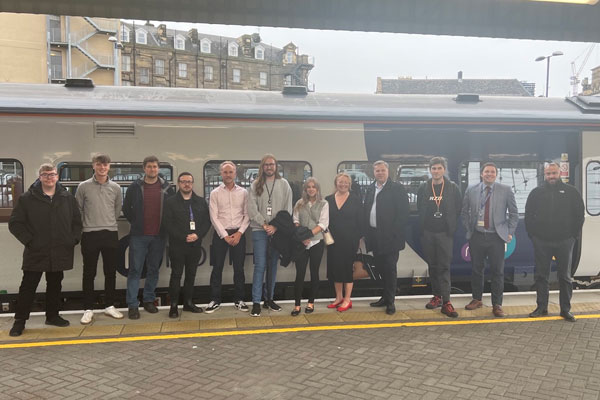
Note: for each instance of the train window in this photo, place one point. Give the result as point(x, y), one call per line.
point(592, 189)
point(521, 176)
point(295, 172)
point(11, 185)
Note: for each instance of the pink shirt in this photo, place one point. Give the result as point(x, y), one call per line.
point(228, 209)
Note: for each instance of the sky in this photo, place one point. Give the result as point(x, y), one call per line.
point(350, 62)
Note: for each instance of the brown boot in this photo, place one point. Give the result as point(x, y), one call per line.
point(497, 310)
point(474, 304)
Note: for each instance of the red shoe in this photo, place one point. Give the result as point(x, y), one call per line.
point(435, 302)
point(449, 310)
point(334, 304)
point(342, 309)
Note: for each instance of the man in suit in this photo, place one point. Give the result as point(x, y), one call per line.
point(386, 208)
point(490, 217)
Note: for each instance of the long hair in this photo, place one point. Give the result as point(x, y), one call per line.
point(260, 180)
point(305, 199)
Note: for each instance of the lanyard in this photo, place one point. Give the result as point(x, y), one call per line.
point(270, 192)
point(437, 199)
point(191, 213)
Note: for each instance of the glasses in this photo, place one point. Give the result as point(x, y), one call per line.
point(50, 175)
point(186, 182)
point(269, 165)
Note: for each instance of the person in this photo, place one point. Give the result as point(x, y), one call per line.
point(345, 225)
point(554, 216)
point(439, 204)
point(312, 212)
point(268, 194)
point(143, 207)
point(490, 217)
point(230, 219)
point(386, 209)
point(100, 201)
point(46, 220)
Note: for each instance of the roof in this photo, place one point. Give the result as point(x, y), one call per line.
point(491, 87)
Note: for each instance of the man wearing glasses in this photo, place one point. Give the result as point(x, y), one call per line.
point(186, 221)
point(47, 221)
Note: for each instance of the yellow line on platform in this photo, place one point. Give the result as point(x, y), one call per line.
point(285, 330)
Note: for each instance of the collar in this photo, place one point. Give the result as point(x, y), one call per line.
point(96, 180)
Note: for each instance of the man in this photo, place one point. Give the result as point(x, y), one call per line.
point(387, 209)
point(186, 220)
point(439, 203)
point(490, 217)
point(143, 206)
point(47, 221)
point(554, 216)
point(230, 219)
point(99, 201)
point(268, 194)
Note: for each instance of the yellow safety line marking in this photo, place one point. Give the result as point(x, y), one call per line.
point(286, 330)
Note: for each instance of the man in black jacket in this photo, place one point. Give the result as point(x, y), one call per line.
point(186, 221)
point(47, 221)
point(386, 208)
point(554, 216)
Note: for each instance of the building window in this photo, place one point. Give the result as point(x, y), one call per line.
point(182, 70)
point(263, 78)
point(11, 185)
point(208, 73)
point(205, 45)
point(56, 71)
point(289, 57)
point(159, 67)
point(124, 33)
point(287, 80)
point(141, 37)
point(126, 63)
point(145, 76)
point(55, 29)
point(259, 53)
point(179, 42)
point(233, 50)
point(237, 75)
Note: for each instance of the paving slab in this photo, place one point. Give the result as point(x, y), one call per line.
point(180, 326)
point(141, 328)
point(102, 330)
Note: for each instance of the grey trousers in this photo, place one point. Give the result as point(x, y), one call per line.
point(563, 251)
point(484, 245)
point(437, 247)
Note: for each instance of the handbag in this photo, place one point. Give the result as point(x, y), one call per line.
point(328, 238)
point(360, 268)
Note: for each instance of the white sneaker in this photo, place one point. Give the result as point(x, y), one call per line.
point(212, 307)
point(88, 317)
point(113, 312)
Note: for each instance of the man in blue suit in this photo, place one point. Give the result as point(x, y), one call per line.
point(490, 217)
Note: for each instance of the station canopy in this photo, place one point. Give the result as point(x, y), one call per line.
point(519, 19)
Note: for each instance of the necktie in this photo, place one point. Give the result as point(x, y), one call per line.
point(486, 215)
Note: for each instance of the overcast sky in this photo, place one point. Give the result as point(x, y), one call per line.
point(350, 62)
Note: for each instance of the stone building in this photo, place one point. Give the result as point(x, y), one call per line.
point(592, 88)
point(158, 56)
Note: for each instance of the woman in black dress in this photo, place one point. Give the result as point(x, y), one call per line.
point(345, 214)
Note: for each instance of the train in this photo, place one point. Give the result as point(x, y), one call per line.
point(311, 134)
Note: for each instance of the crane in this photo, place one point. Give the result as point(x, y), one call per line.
point(577, 71)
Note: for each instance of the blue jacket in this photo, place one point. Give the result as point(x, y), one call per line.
point(133, 205)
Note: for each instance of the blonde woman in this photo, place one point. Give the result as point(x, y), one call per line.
point(310, 211)
point(345, 224)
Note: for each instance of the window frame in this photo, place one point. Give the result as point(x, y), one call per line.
point(128, 63)
point(236, 78)
point(125, 34)
point(182, 72)
point(262, 50)
point(587, 190)
point(204, 42)
point(144, 78)
point(212, 76)
point(5, 211)
point(260, 78)
point(178, 38)
point(232, 46)
point(156, 68)
point(144, 35)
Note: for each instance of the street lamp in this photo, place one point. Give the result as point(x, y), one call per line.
point(117, 46)
point(542, 58)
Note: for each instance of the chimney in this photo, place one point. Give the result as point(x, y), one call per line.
point(193, 34)
point(162, 33)
point(459, 76)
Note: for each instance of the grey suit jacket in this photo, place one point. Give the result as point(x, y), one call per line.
point(503, 210)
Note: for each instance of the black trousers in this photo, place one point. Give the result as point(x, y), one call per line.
point(183, 257)
point(437, 248)
point(237, 255)
point(387, 266)
point(314, 254)
point(93, 244)
point(29, 284)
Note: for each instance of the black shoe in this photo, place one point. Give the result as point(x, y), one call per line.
point(538, 312)
point(266, 304)
point(150, 307)
point(273, 306)
point(57, 321)
point(378, 303)
point(309, 310)
point(133, 313)
point(173, 313)
point(390, 309)
point(568, 316)
point(17, 328)
point(255, 310)
point(296, 312)
point(189, 306)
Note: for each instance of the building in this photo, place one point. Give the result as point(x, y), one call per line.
point(592, 88)
point(489, 87)
point(158, 56)
point(45, 48)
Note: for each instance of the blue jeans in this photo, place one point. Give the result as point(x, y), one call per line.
point(148, 249)
point(260, 240)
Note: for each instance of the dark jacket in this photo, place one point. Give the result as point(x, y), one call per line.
point(554, 212)
point(451, 204)
point(176, 220)
point(283, 239)
point(133, 205)
point(49, 228)
point(392, 216)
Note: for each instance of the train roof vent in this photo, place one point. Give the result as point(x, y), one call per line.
point(104, 129)
point(467, 98)
point(295, 90)
point(79, 82)
point(587, 104)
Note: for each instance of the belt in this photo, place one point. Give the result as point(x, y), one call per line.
point(232, 231)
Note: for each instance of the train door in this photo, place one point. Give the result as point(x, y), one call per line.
point(589, 264)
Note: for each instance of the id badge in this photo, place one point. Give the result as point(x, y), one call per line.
point(192, 226)
point(269, 211)
point(481, 223)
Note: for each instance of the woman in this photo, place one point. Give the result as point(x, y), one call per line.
point(345, 225)
point(312, 212)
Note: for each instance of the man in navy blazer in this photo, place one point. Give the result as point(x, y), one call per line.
point(490, 217)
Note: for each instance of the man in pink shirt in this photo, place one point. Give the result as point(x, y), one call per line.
point(229, 217)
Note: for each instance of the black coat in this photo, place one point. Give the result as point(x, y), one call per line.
point(133, 204)
point(49, 228)
point(451, 204)
point(392, 216)
point(176, 220)
point(283, 239)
